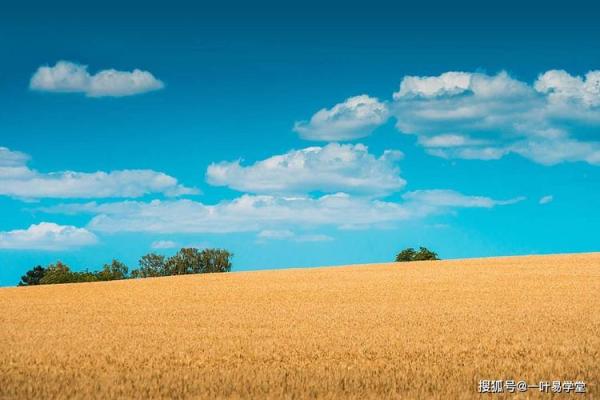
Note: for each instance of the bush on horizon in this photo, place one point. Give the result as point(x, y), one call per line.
point(410, 254)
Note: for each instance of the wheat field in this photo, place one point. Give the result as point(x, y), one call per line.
point(411, 330)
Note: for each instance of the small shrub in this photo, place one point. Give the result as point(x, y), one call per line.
point(410, 254)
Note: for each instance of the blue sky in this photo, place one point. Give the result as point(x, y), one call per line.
point(296, 135)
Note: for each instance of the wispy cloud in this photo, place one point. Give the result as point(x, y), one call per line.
point(66, 76)
point(18, 180)
point(546, 199)
point(255, 213)
point(285, 234)
point(355, 118)
point(163, 244)
point(329, 169)
point(47, 236)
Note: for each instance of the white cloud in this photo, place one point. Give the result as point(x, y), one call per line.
point(313, 238)
point(546, 199)
point(355, 118)
point(448, 140)
point(493, 116)
point(431, 86)
point(47, 236)
point(67, 76)
point(560, 86)
point(163, 244)
point(468, 153)
point(451, 198)
point(12, 159)
point(285, 234)
point(332, 168)
point(452, 83)
point(18, 180)
point(250, 213)
point(550, 152)
point(275, 234)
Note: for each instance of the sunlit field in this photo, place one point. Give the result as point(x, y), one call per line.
point(401, 330)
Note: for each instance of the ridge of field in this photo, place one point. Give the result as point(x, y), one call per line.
point(428, 329)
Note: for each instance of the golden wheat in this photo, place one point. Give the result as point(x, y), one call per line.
point(415, 330)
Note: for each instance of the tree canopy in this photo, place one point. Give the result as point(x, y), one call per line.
point(410, 254)
point(185, 261)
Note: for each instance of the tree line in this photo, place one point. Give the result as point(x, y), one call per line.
point(185, 261)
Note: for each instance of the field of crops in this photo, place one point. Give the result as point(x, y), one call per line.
point(411, 330)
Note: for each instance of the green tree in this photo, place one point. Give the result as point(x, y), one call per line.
point(410, 254)
point(151, 264)
point(405, 255)
point(114, 271)
point(135, 274)
point(215, 260)
point(425, 254)
point(57, 273)
point(83, 277)
point(194, 261)
point(185, 261)
point(33, 276)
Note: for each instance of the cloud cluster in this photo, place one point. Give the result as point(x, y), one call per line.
point(47, 236)
point(20, 181)
point(333, 168)
point(66, 76)
point(355, 118)
point(478, 116)
point(255, 213)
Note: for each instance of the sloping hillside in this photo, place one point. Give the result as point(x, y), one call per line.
point(414, 330)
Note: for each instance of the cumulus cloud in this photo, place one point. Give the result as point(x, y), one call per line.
point(560, 86)
point(355, 118)
point(47, 236)
point(66, 76)
point(255, 213)
point(20, 181)
point(332, 168)
point(431, 86)
point(491, 116)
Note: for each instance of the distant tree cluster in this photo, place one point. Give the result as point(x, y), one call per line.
point(185, 261)
point(410, 254)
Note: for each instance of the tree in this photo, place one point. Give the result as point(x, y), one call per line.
point(151, 265)
point(114, 271)
point(33, 276)
point(83, 277)
point(409, 254)
point(215, 260)
point(135, 274)
point(425, 254)
point(57, 273)
point(405, 255)
point(185, 261)
point(194, 261)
